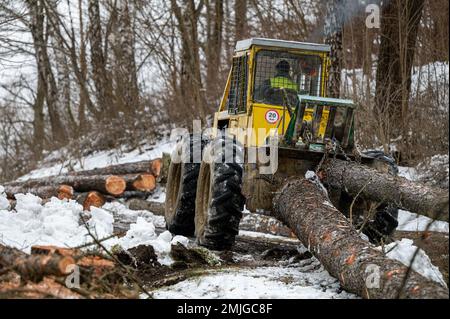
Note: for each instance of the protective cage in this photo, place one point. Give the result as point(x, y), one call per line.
point(237, 97)
point(292, 72)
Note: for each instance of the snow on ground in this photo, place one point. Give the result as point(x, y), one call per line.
point(408, 221)
point(294, 282)
point(404, 252)
point(57, 223)
point(267, 236)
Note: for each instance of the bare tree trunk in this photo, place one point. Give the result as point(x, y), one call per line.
point(62, 71)
point(399, 27)
point(83, 70)
point(39, 120)
point(214, 49)
point(191, 80)
point(100, 73)
point(45, 72)
point(240, 20)
point(334, 25)
point(126, 86)
point(329, 236)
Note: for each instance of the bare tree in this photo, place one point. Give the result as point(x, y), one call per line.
point(400, 22)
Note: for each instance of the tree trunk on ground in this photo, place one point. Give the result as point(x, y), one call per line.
point(59, 191)
point(328, 235)
point(384, 188)
point(334, 25)
point(34, 268)
point(107, 184)
point(151, 167)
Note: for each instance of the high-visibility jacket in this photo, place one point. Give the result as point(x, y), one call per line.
point(279, 82)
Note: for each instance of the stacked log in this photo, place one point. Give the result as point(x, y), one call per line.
point(94, 187)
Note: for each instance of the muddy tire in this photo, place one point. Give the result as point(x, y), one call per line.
point(181, 187)
point(219, 203)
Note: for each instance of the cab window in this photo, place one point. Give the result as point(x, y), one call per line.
point(281, 76)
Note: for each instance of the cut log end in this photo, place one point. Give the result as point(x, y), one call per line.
point(144, 183)
point(115, 185)
point(65, 192)
point(64, 265)
point(93, 199)
point(155, 167)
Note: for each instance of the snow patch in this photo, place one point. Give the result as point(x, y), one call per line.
point(58, 223)
point(408, 221)
point(263, 282)
point(404, 250)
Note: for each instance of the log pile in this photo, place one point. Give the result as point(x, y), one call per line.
point(94, 187)
point(47, 271)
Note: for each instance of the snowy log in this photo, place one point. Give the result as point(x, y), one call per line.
point(34, 267)
point(384, 188)
point(150, 167)
point(44, 187)
point(327, 233)
point(59, 191)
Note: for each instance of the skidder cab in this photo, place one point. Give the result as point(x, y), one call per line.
point(275, 94)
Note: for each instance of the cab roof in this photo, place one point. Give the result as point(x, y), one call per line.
point(248, 43)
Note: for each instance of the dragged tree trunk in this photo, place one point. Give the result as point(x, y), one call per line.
point(373, 185)
point(302, 206)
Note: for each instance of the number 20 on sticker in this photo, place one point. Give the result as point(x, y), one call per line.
point(272, 116)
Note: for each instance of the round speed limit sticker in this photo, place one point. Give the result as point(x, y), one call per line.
point(272, 116)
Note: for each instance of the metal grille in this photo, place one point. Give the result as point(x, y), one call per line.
point(237, 98)
point(278, 73)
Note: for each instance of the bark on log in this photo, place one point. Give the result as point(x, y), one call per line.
point(151, 167)
point(59, 191)
point(141, 204)
point(373, 185)
point(35, 267)
point(304, 208)
point(46, 186)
